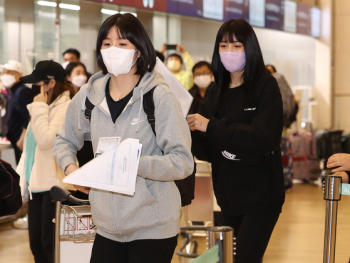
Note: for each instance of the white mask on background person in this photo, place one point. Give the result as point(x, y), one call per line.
point(174, 65)
point(65, 64)
point(8, 80)
point(202, 81)
point(79, 80)
point(118, 61)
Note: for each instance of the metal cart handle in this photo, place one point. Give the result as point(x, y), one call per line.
point(61, 194)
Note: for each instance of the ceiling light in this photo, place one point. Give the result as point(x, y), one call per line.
point(108, 11)
point(70, 7)
point(47, 3)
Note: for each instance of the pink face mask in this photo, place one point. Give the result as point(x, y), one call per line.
point(233, 61)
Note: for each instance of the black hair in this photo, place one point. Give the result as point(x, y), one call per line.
point(72, 65)
point(130, 28)
point(160, 56)
point(273, 67)
point(72, 51)
point(176, 55)
point(201, 64)
point(254, 66)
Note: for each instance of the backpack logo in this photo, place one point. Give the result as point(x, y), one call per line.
point(229, 156)
point(135, 121)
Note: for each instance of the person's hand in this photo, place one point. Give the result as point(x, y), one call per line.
point(41, 97)
point(70, 169)
point(344, 176)
point(339, 160)
point(162, 49)
point(197, 122)
point(180, 48)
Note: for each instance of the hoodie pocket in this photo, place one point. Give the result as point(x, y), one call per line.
point(140, 211)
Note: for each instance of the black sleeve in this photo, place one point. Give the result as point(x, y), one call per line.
point(24, 98)
point(264, 132)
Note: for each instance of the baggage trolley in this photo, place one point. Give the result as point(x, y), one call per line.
point(74, 228)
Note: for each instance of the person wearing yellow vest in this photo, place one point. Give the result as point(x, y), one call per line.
point(175, 62)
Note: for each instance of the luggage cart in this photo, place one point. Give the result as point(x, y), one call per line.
point(199, 215)
point(74, 230)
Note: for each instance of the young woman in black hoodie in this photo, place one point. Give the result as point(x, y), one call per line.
point(238, 129)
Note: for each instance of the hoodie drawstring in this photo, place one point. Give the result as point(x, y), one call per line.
point(138, 119)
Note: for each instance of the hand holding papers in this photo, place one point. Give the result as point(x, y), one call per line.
point(115, 170)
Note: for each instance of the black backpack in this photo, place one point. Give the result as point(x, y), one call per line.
point(185, 186)
point(10, 191)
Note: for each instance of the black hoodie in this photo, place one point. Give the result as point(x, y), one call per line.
point(243, 145)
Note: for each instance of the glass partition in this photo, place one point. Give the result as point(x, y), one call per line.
point(69, 25)
point(3, 44)
point(44, 29)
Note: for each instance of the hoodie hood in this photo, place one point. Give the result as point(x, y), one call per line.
point(95, 91)
point(97, 84)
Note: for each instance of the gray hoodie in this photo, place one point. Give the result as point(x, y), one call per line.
point(154, 211)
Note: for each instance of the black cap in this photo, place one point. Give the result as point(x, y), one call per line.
point(46, 70)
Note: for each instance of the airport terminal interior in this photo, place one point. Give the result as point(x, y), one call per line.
point(63, 43)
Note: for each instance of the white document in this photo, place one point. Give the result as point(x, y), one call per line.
point(115, 170)
point(184, 97)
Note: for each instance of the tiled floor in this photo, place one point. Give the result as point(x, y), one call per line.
point(298, 236)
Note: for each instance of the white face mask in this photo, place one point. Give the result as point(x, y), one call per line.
point(79, 80)
point(174, 65)
point(118, 61)
point(202, 81)
point(8, 80)
point(65, 64)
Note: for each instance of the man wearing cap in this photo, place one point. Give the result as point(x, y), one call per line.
point(21, 96)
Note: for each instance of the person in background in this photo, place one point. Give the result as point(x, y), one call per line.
point(290, 106)
point(340, 165)
point(72, 55)
point(38, 168)
point(21, 96)
point(203, 79)
point(160, 56)
point(76, 75)
point(238, 129)
point(175, 62)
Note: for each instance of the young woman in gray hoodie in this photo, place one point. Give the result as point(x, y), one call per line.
point(142, 227)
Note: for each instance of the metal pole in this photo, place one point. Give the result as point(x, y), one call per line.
point(57, 232)
point(332, 194)
point(223, 236)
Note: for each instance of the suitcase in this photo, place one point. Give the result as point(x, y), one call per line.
point(287, 159)
point(301, 150)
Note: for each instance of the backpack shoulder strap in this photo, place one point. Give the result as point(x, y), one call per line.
point(89, 107)
point(148, 107)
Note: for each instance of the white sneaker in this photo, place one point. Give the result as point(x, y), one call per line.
point(21, 223)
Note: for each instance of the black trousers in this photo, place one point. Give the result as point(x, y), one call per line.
point(252, 234)
point(41, 211)
point(18, 152)
point(138, 251)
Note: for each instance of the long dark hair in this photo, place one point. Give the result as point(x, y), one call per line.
point(254, 67)
point(57, 91)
